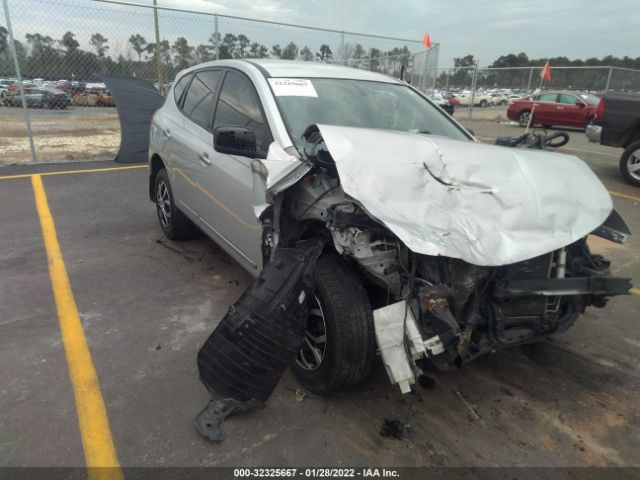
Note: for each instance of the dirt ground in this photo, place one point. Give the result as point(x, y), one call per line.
point(76, 133)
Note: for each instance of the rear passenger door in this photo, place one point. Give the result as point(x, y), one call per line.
point(230, 214)
point(192, 141)
point(545, 108)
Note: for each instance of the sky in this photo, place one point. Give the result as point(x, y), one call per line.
point(484, 28)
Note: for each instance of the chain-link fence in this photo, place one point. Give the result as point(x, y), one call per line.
point(473, 86)
point(66, 44)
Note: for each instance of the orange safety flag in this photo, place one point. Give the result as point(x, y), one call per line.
point(426, 41)
point(546, 72)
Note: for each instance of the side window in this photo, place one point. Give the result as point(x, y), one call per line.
point(548, 97)
point(239, 106)
point(199, 99)
point(180, 86)
point(568, 99)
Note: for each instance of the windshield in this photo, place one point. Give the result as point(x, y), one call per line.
point(365, 104)
point(592, 99)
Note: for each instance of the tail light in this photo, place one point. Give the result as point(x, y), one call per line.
point(600, 110)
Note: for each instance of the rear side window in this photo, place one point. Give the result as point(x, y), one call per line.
point(548, 97)
point(178, 90)
point(200, 97)
point(239, 106)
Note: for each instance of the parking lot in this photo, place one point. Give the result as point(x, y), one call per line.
point(145, 305)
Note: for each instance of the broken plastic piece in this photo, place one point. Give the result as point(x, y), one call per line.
point(389, 324)
point(209, 419)
point(248, 352)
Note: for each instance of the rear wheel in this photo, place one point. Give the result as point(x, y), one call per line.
point(175, 225)
point(339, 347)
point(630, 164)
point(483, 103)
point(523, 118)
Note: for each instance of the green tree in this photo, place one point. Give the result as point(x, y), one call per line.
point(228, 46)
point(100, 44)
point(290, 52)
point(4, 40)
point(139, 45)
point(69, 42)
point(183, 53)
point(241, 48)
point(257, 50)
point(276, 51)
point(306, 54)
point(325, 53)
point(203, 53)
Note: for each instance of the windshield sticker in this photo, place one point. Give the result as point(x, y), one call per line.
point(292, 87)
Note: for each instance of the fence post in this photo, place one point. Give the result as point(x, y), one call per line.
point(158, 62)
point(529, 82)
point(448, 74)
point(342, 52)
point(474, 81)
point(216, 37)
point(606, 88)
point(14, 53)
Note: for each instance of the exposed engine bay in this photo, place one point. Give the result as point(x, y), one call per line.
point(434, 308)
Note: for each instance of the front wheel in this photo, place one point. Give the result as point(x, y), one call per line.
point(339, 346)
point(483, 103)
point(175, 225)
point(630, 164)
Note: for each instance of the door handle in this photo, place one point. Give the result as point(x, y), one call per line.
point(204, 158)
point(560, 108)
point(166, 132)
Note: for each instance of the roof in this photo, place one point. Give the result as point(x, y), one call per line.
point(300, 69)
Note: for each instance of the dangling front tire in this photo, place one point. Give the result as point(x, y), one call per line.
point(340, 345)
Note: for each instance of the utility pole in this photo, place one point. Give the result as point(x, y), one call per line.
point(158, 62)
point(14, 53)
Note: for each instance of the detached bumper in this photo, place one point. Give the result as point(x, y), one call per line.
point(593, 133)
point(606, 286)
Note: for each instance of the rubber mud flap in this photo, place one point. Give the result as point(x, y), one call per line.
point(242, 361)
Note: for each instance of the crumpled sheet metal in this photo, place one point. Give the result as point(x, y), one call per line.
point(484, 204)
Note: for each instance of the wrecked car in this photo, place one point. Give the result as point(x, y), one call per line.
point(434, 247)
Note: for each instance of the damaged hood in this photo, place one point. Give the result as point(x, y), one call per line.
point(484, 204)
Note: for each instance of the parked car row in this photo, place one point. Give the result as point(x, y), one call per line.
point(59, 94)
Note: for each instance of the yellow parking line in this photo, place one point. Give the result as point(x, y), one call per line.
point(92, 415)
point(68, 172)
point(635, 291)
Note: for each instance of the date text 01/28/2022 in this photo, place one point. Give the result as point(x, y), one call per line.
point(314, 472)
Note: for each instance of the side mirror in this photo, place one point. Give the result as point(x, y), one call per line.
point(235, 141)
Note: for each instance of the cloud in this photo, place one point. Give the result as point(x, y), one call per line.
point(484, 28)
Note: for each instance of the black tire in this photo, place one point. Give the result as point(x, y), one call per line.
point(631, 157)
point(350, 345)
point(483, 103)
point(174, 224)
point(503, 103)
point(523, 118)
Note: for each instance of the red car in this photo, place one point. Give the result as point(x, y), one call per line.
point(569, 109)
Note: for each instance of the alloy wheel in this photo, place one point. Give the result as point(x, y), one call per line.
point(633, 164)
point(312, 351)
point(163, 203)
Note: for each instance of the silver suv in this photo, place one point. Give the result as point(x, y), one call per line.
point(437, 248)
